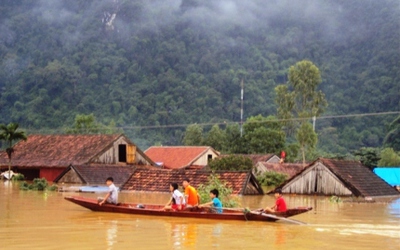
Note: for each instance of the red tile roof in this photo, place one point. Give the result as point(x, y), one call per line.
point(290, 169)
point(158, 180)
point(176, 157)
point(57, 150)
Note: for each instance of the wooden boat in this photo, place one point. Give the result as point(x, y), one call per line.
point(194, 212)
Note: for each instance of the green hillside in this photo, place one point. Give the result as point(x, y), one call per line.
point(141, 64)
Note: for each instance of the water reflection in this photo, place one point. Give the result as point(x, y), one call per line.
point(112, 232)
point(394, 208)
point(47, 220)
point(183, 236)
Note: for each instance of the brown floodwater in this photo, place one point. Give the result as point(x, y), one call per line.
point(44, 220)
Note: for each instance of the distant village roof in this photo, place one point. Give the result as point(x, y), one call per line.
point(338, 177)
point(158, 180)
point(59, 150)
point(177, 157)
point(289, 169)
point(255, 158)
point(95, 174)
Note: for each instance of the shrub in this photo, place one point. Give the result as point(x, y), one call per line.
point(38, 184)
point(225, 193)
point(18, 177)
point(271, 178)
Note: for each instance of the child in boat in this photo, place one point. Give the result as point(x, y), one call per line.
point(215, 203)
point(191, 196)
point(112, 195)
point(177, 201)
point(280, 204)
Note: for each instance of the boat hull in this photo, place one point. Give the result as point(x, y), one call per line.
point(200, 213)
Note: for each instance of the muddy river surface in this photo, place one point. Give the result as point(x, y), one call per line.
point(44, 220)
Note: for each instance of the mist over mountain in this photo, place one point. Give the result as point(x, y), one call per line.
point(145, 63)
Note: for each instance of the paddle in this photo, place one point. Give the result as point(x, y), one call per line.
point(278, 217)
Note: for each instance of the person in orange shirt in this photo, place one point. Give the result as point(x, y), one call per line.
point(191, 195)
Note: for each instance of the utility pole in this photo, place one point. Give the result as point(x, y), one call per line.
point(241, 108)
point(313, 124)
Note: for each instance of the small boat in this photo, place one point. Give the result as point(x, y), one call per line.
point(193, 212)
point(8, 174)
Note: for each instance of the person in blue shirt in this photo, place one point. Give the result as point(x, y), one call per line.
point(215, 203)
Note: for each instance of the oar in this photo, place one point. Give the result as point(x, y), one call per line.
point(278, 217)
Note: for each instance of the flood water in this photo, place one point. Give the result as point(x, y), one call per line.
point(44, 220)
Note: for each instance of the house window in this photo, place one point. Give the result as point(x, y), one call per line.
point(122, 153)
point(209, 158)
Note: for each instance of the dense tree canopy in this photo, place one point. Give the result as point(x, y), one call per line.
point(151, 66)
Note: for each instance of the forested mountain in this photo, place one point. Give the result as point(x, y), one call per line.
point(145, 63)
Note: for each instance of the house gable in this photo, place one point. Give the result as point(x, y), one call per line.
point(317, 179)
point(178, 157)
point(338, 177)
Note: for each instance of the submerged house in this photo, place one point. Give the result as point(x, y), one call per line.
point(95, 174)
point(47, 156)
point(338, 177)
point(256, 158)
point(181, 157)
point(158, 180)
point(288, 169)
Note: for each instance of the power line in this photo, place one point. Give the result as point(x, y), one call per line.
point(227, 123)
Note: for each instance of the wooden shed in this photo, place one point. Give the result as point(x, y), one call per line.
point(47, 156)
point(338, 177)
point(158, 180)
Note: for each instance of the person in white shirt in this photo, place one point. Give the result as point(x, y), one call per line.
point(112, 195)
point(177, 201)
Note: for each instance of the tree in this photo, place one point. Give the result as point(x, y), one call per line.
point(234, 144)
point(300, 97)
point(389, 158)
point(263, 135)
point(392, 138)
point(193, 135)
point(231, 162)
point(368, 156)
point(306, 138)
point(215, 138)
point(85, 124)
point(10, 134)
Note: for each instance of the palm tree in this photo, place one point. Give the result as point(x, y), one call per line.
point(9, 133)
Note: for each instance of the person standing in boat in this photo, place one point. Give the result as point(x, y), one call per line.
point(215, 203)
point(280, 203)
point(112, 195)
point(177, 201)
point(191, 195)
